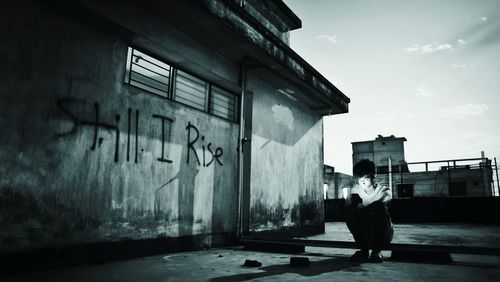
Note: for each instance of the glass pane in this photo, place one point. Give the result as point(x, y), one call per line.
point(147, 73)
point(190, 90)
point(151, 60)
point(222, 103)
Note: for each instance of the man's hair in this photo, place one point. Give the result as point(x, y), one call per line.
point(364, 167)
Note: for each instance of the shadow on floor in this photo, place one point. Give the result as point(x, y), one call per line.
point(316, 268)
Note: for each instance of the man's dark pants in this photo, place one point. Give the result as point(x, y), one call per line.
point(370, 226)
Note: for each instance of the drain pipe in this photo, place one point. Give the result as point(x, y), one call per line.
point(243, 82)
point(389, 160)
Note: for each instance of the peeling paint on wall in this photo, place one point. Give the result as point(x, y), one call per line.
point(283, 115)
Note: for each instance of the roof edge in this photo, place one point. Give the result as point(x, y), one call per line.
point(278, 50)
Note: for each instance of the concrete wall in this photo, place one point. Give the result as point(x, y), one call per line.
point(435, 183)
point(287, 161)
point(378, 150)
point(386, 147)
point(362, 150)
point(85, 158)
point(82, 153)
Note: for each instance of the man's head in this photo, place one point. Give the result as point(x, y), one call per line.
point(364, 173)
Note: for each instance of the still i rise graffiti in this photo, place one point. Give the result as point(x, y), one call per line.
point(210, 154)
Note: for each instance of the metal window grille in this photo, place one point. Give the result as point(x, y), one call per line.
point(191, 90)
point(223, 103)
point(147, 73)
point(153, 75)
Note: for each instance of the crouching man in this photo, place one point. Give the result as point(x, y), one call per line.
point(367, 215)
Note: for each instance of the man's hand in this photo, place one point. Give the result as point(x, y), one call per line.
point(383, 193)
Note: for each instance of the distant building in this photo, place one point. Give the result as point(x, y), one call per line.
point(328, 182)
point(442, 178)
point(342, 182)
point(334, 183)
point(379, 151)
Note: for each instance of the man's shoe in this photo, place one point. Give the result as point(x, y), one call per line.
point(376, 257)
point(360, 256)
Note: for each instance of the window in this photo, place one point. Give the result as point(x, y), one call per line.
point(155, 76)
point(190, 90)
point(147, 73)
point(223, 103)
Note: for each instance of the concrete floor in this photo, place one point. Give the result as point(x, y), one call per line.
point(326, 264)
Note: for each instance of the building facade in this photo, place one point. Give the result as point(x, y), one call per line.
point(442, 178)
point(155, 120)
point(445, 178)
point(381, 151)
point(329, 190)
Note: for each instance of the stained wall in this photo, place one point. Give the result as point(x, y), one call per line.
point(88, 158)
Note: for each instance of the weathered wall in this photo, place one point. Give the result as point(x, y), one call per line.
point(362, 150)
point(287, 161)
point(162, 34)
point(378, 150)
point(386, 147)
point(81, 152)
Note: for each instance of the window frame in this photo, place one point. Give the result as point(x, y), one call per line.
point(232, 112)
point(143, 86)
point(172, 86)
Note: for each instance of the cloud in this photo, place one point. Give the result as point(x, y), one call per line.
point(428, 48)
point(434, 47)
point(483, 19)
point(423, 91)
point(464, 111)
point(463, 66)
point(459, 66)
point(331, 38)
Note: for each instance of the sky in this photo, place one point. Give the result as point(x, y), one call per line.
point(425, 70)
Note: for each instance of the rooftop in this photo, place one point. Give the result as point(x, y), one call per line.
point(327, 264)
point(384, 138)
